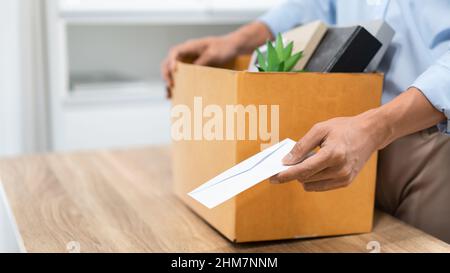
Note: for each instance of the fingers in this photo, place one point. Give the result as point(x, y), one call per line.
point(168, 92)
point(187, 49)
point(194, 48)
point(340, 172)
point(306, 169)
point(343, 153)
point(166, 73)
point(205, 59)
point(211, 56)
point(303, 147)
point(326, 185)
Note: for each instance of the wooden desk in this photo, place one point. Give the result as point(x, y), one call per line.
point(121, 201)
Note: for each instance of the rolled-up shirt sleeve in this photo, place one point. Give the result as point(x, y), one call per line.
point(434, 83)
point(295, 12)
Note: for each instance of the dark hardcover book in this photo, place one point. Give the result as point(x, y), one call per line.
point(348, 49)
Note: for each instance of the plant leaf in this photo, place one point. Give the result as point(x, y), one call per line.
point(278, 58)
point(272, 58)
point(293, 60)
point(288, 51)
point(261, 60)
point(279, 47)
point(281, 67)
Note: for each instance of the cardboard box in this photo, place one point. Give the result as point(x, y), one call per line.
point(266, 211)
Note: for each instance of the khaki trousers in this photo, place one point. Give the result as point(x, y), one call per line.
point(414, 181)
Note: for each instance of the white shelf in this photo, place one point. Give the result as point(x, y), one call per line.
point(161, 18)
point(153, 91)
point(129, 37)
point(163, 12)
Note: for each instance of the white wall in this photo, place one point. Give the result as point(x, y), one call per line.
point(29, 125)
point(23, 125)
point(10, 106)
point(34, 76)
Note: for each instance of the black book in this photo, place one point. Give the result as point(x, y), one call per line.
point(347, 50)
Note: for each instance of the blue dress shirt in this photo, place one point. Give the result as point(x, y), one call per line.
point(419, 55)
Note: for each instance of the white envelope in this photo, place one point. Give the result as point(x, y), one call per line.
point(244, 175)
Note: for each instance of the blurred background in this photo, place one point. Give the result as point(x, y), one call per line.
point(84, 74)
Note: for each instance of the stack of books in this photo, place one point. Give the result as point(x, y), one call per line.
point(352, 49)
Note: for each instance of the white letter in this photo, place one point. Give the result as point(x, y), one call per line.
point(181, 128)
point(198, 118)
point(264, 133)
point(241, 112)
point(213, 129)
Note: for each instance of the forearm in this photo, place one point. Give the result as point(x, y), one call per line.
point(249, 37)
point(408, 113)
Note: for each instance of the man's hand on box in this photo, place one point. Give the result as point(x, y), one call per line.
point(345, 146)
point(206, 51)
point(215, 51)
point(347, 143)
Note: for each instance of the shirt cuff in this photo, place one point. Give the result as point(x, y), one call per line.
point(435, 85)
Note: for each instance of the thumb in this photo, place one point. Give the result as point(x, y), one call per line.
point(205, 59)
point(304, 146)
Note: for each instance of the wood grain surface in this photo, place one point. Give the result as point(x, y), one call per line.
point(121, 201)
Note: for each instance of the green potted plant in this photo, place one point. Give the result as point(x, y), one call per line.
point(278, 58)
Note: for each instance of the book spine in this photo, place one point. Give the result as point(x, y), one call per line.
point(342, 50)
